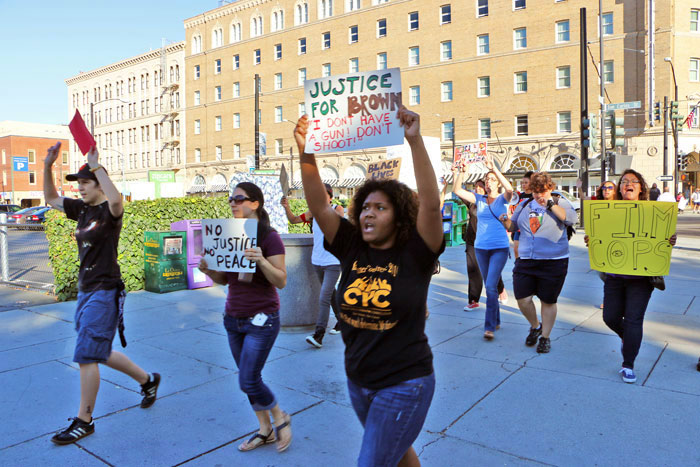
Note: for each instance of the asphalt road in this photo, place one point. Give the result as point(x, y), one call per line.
point(29, 258)
point(688, 224)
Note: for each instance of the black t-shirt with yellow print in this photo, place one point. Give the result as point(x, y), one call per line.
point(381, 301)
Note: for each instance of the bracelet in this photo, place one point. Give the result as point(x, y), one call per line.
point(95, 169)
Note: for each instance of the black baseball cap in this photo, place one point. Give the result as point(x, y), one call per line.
point(83, 172)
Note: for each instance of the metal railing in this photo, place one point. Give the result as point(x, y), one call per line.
point(24, 256)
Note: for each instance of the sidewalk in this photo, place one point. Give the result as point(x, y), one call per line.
point(496, 403)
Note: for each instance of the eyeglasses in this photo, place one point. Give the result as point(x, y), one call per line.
point(630, 182)
point(238, 199)
point(608, 187)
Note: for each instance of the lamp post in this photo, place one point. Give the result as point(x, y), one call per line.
point(92, 111)
point(122, 167)
point(675, 129)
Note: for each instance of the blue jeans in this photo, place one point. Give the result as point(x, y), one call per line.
point(96, 320)
point(250, 345)
point(392, 418)
point(491, 264)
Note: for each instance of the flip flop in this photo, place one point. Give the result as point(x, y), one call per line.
point(252, 444)
point(286, 424)
point(488, 335)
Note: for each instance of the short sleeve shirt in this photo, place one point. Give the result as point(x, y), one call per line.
point(97, 234)
point(246, 299)
point(490, 232)
point(381, 301)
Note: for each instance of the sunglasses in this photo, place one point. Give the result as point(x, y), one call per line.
point(607, 187)
point(238, 199)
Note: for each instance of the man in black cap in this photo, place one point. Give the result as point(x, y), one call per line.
point(100, 288)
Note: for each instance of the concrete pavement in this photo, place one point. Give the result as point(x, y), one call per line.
point(496, 403)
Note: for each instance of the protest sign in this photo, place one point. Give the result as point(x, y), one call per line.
point(81, 134)
point(384, 170)
point(630, 237)
point(470, 154)
point(224, 242)
point(353, 111)
point(284, 181)
point(403, 152)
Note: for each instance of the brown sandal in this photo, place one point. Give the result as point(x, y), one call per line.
point(286, 424)
point(257, 440)
point(488, 335)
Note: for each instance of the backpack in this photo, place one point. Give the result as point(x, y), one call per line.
point(570, 230)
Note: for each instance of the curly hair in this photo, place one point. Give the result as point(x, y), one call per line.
point(541, 182)
point(402, 198)
point(599, 190)
point(644, 194)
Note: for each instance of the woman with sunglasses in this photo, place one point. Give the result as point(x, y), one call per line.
point(625, 297)
point(491, 244)
point(606, 191)
point(252, 316)
point(387, 254)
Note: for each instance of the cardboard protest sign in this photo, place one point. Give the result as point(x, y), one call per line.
point(403, 152)
point(630, 237)
point(353, 111)
point(224, 242)
point(284, 181)
point(470, 154)
point(81, 134)
point(384, 170)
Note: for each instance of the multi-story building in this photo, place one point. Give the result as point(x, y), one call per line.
point(506, 72)
point(31, 141)
point(134, 108)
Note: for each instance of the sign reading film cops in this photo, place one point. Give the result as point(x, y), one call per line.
point(630, 237)
point(384, 170)
point(225, 240)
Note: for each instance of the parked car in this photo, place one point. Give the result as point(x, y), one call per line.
point(9, 208)
point(575, 202)
point(37, 217)
point(19, 217)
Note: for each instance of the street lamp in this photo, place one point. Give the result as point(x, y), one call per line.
point(122, 166)
point(675, 130)
point(92, 112)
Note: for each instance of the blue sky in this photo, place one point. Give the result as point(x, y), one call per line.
point(44, 42)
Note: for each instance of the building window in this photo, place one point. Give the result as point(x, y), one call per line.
point(236, 151)
point(217, 93)
point(694, 69)
point(562, 31)
point(351, 5)
point(482, 44)
point(326, 70)
point(32, 178)
point(447, 131)
point(302, 76)
point(278, 51)
point(236, 89)
point(564, 162)
point(694, 19)
point(413, 21)
point(445, 14)
point(196, 98)
point(278, 114)
point(520, 38)
point(219, 153)
point(256, 57)
point(198, 155)
point(446, 91)
point(523, 164)
point(31, 155)
point(236, 62)
point(217, 38)
point(278, 81)
point(256, 26)
point(302, 108)
point(484, 86)
point(197, 127)
point(277, 20)
point(217, 66)
point(217, 123)
point(446, 50)
point(353, 34)
point(482, 8)
point(302, 46)
point(196, 44)
point(196, 72)
point(325, 9)
point(521, 125)
point(607, 24)
point(326, 40)
point(236, 120)
point(414, 95)
point(279, 148)
point(518, 4)
point(235, 33)
point(354, 65)
point(64, 156)
point(413, 56)
point(381, 61)
point(520, 81)
point(563, 77)
point(301, 13)
point(609, 71)
point(564, 122)
point(485, 128)
point(381, 27)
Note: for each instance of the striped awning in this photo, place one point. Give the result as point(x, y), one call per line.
point(220, 188)
point(197, 189)
point(331, 181)
point(477, 171)
point(351, 182)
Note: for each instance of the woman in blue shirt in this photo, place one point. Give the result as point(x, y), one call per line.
point(491, 244)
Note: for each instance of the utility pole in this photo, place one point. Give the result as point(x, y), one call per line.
point(603, 150)
point(584, 103)
point(257, 123)
point(665, 140)
point(291, 167)
point(675, 144)
point(454, 137)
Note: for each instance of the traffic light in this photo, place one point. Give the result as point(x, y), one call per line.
point(586, 132)
point(593, 130)
point(657, 111)
point(617, 131)
point(674, 111)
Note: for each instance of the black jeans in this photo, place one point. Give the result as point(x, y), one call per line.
point(624, 304)
point(476, 282)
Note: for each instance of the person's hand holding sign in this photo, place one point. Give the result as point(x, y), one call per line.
point(93, 157)
point(52, 154)
point(410, 121)
point(254, 254)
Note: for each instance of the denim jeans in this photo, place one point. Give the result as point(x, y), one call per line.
point(491, 264)
point(392, 418)
point(624, 304)
point(250, 345)
point(328, 275)
point(476, 282)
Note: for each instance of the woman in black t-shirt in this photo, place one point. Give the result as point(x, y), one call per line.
point(387, 255)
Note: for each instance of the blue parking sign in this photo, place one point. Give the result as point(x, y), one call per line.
point(20, 164)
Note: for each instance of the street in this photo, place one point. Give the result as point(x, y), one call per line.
point(28, 259)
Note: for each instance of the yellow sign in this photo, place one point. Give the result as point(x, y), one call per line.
point(630, 237)
point(384, 170)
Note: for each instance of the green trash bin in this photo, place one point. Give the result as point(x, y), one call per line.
point(165, 261)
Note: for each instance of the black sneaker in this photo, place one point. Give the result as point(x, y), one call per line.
point(698, 367)
point(336, 329)
point(149, 391)
point(532, 337)
point(317, 338)
point(77, 430)
point(544, 346)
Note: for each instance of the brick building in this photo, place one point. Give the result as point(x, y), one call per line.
point(31, 140)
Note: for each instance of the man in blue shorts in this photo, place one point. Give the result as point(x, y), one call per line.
point(100, 288)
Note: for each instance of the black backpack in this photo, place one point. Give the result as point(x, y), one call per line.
point(570, 230)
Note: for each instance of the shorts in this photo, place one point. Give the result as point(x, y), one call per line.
point(516, 235)
point(541, 277)
point(96, 320)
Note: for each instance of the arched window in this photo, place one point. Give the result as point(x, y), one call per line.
point(328, 173)
point(522, 164)
point(325, 8)
point(219, 179)
point(196, 44)
point(301, 13)
point(256, 26)
point(235, 35)
point(199, 180)
point(564, 162)
point(355, 171)
point(351, 5)
point(217, 37)
point(277, 20)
